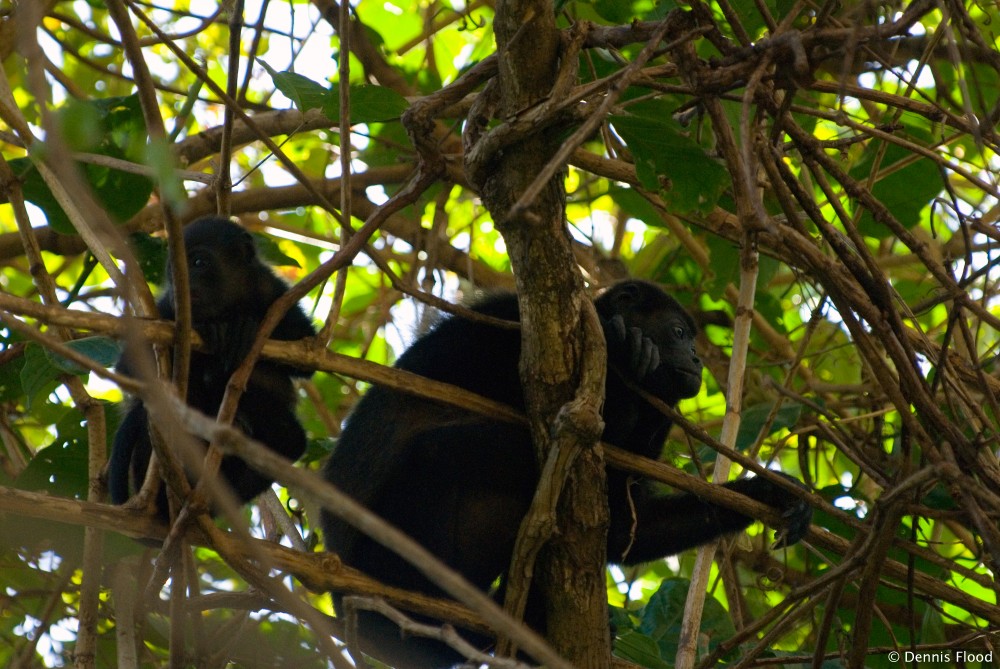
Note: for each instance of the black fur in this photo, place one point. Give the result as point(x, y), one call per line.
point(231, 290)
point(460, 483)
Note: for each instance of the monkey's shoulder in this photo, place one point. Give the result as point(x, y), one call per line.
point(472, 354)
point(459, 343)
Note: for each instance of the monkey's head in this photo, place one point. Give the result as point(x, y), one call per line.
point(664, 321)
point(223, 269)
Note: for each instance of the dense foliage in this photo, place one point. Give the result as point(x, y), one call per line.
point(853, 144)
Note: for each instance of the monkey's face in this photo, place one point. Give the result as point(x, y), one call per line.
point(673, 332)
point(222, 269)
point(650, 316)
point(218, 284)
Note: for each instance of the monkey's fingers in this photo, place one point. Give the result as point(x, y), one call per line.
point(635, 350)
point(797, 517)
point(618, 327)
point(649, 359)
point(654, 357)
point(644, 355)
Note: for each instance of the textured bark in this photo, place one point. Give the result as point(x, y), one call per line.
point(570, 570)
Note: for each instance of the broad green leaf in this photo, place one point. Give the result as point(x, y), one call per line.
point(675, 165)
point(304, 93)
point(662, 617)
point(160, 157)
point(640, 649)
point(112, 127)
point(753, 418)
point(42, 367)
point(152, 255)
point(61, 467)
point(932, 628)
point(271, 253)
point(11, 388)
point(369, 104)
point(636, 205)
point(908, 184)
point(750, 16)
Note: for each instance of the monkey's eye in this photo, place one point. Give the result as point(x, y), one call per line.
point(199, 262)
point(678, 332)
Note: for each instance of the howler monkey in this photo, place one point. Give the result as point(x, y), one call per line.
point(460, 483)
point(231, 290)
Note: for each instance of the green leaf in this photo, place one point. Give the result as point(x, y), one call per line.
point(271, 253)
point(102, 350)
point(641, 650)
point(42, 367)
point(932, 628)
point(832, 356)
point(907, 187)
point(37, 192)
point(619, 11)
point(160, 157)
point(38, 374)
point(750, 17)
point(81, 125)
point(304, 93)
point(60, 467)
point(637, 206)
point(369, 104)
point(662, 617)
point(725, 265)
point(939, 498)
point(672, 163)
point(112, 127)
point(753, 418)
point(152, 255)
point(614, 11)
point(11, 388)
point(121, 193)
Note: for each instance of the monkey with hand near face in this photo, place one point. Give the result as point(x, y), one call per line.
point(231, 290)
point(460, 483)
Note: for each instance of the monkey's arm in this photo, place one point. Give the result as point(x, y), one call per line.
point(228, 341)
point(667, 525)
point(294, 325)
point(129, 455)
point(267, 418)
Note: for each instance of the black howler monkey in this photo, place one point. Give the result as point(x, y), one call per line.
point(231, 290)
point(460, 483)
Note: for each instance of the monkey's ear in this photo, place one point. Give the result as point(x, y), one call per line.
point(246, 245)
point(627, 293)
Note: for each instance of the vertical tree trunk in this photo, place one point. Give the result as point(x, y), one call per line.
point(570, 571)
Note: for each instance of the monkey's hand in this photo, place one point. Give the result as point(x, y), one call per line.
point(631, 348)
point(797, 515)
point(230, 340)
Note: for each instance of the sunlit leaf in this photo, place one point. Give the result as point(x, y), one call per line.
point(674, 165)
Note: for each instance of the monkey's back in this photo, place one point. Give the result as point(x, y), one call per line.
point(383, 438)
